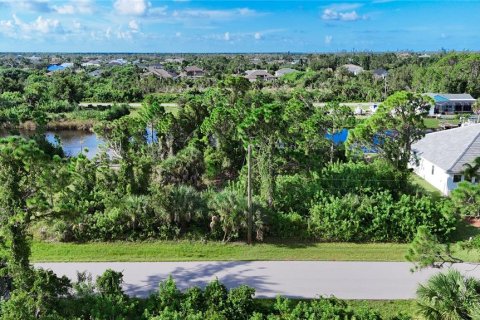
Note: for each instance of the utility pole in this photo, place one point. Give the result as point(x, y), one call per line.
point(385, 88)
point(249, 195)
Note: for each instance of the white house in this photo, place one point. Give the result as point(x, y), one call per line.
point(448, 103)
point(352, 68)
point(441, 156)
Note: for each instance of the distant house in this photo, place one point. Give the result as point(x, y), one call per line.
point(174, 60)
point(441, 156)
point(353, 68)
point(254, 75)
point(193, 72)
point(34, 59)
point(380, 73)
point(91, 63)
point(118, 62)
point(160, 72)
point(448, 103)
point(67, 65)
point(281, 72)
point(96, 73)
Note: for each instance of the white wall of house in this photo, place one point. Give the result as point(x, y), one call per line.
point(440, 179)
point(435, 175)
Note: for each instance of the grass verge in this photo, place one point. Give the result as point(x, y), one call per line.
point(213, 251)
point(388, 309)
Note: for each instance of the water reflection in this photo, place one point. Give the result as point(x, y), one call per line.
point(73, 142)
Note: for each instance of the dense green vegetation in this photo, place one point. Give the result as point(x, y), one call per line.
point(183, 176)
point(189, 181)
point(26, 90)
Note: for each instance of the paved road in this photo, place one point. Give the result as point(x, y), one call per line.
point(301, 279)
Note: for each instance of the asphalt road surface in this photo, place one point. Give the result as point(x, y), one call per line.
point(299, 279)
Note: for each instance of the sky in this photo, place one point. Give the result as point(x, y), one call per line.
point(237, 26)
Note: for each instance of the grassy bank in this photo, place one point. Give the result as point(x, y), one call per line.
point(199, 251)
point(386, 308)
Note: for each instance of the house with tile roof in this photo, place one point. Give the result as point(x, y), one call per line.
point(262, 75)
point(449, 103)
point(440, 157)
point(160, 72)
point(193, 72)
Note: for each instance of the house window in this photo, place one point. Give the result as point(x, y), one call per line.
point(457, 178)
point(433, 170)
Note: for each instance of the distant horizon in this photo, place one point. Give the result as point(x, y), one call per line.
point(239, 52)
point(152, 26)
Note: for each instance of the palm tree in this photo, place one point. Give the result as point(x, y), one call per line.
point(230, 207)
point(449, 296)
point(472, 170)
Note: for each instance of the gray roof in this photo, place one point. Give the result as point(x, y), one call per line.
point(380, 72)
point(450, 149)
point(253, 74)
point(284, 71)
point(353, 68)
point(451, 96)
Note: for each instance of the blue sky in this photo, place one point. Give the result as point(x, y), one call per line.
point(237, 26)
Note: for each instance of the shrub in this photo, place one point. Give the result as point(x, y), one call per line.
point(378, 217)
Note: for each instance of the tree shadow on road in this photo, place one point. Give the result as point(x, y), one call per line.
point(201, 275)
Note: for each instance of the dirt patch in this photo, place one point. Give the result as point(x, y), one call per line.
point(474, 222)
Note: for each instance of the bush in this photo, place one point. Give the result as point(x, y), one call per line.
point(288, 226)
point(378, 217)
point(295, 193)
point(360, 177)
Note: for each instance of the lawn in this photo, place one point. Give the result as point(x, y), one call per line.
point(434, 123)
point(212, 251)
point(419, 181)
point(386, 308)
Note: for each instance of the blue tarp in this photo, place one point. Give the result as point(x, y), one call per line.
point(338, 137)
point(55, 67)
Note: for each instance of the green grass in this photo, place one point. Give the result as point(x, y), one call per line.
point(434, 123)
point(386, 308)
point(212, 251)
point(419, 181)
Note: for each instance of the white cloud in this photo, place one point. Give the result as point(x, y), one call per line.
point(178, 34)
point(257, 36)
point(328, 39)
point(65, 9)
point(44, 25)
point(349, 16)
point(332, 14)
point(158, 12)
point(133, 24)
point(344, 6)
point(31, 5)
point(213, 14)
point(77, 25)
point(226, 36)
point(73, 7)
point(131, 7)
point(108, 33)
point(16, 28)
